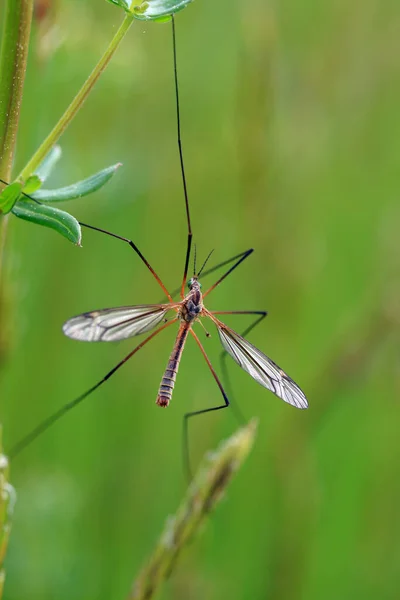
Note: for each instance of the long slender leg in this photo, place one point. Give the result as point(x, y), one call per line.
point(200, 412)
point(212, 269)
point(178, 121)
point(261, 314)
point(225, 262)
point(136, 249)
point(44, 425)
point(118, 237)
point(229, 271)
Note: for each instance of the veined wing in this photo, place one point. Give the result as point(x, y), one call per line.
point(260, 367)
point(113, 324)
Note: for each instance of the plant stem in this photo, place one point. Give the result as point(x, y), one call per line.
point(13, 57)
point(7, 502)
point(77, 101)
point(205, 491)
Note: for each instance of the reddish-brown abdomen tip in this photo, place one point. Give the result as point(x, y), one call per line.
point(162, 401)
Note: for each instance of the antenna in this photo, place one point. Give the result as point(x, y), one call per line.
point(204, 263)
point(178, 123)
point(194, 262)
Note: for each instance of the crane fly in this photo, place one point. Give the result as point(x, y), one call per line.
point(116, 324)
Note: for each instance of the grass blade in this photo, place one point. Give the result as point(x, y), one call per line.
point(204, 493)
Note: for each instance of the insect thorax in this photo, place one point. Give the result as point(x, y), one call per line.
point(192, 304)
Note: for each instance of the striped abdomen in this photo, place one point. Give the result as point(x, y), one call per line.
point(168, 381)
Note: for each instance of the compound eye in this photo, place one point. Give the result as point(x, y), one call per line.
point(190, 283)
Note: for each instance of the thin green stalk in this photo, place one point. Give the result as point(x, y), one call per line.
point(205, 491)
point(13, 58)
point(77, 101)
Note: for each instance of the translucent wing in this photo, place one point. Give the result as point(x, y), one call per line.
point(261, 368)
point(113, 324)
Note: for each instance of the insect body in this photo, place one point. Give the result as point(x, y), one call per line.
point(192, 304)
point(168, 381)
point(114, 324)
point(188, 313)
point(120, 323)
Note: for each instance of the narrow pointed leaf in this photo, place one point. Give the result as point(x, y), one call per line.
point(48, 216)
point(33, 183)
point(48, 163)
point(9, 196)
point(153, 10)
point(76, 190)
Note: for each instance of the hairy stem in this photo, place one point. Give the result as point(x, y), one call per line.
point(13, 58)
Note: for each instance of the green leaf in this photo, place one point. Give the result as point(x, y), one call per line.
point(76, 190)
point(165, 19)
point(33, 183)
point(48, 163)
point(48, 216)
point(153, 10)
point(121, 3)
point(9, 196)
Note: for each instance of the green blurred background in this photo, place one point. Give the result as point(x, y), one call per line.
point(291, 132)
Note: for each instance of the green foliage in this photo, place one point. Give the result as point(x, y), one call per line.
point(121, 3)
point(48, 216)
point(152, 10)
point(78, 189)
point(33, 183)
point(9, 196)
point(18, 198)
point(47, 165)
point(158, 10)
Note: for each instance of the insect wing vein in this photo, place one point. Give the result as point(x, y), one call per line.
point(114, 324)
point(261, 368)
